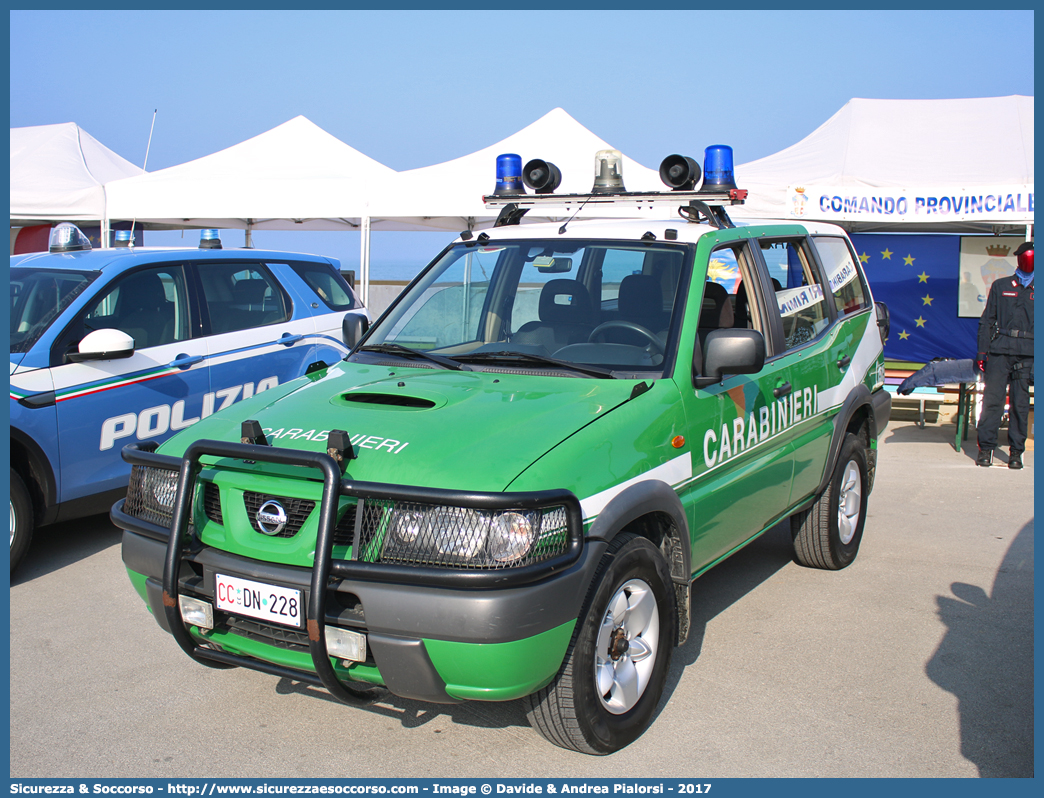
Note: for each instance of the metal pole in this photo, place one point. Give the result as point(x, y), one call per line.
point(364, 261)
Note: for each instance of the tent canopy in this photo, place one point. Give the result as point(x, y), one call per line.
point(448, 196)
point(58, 173)
point(960, 151)
point(293, 177)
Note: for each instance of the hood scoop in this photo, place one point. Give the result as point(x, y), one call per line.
point(388, 400)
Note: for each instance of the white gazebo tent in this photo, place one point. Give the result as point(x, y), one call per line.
point(448, 196)
point(963, 165)
point(293, 177)
point(58, 174)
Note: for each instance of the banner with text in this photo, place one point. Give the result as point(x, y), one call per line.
point(1000, 204)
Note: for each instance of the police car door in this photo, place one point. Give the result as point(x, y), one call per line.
point(104, 404)
point(742, 469)
point(802, 316)
point(257, 337)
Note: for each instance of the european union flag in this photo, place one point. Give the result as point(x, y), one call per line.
point(917, 276)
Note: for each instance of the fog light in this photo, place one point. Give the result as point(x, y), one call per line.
point(196, 612)
point(346, 645)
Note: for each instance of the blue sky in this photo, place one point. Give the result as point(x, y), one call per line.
point(412, 88)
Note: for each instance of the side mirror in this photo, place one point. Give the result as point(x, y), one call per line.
point(730, 351)
point(353, 328)
point(106, 344)
point(884, 320)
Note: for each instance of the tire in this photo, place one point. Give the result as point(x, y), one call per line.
point(827, 535)
point(629, 608)
point(21, 520)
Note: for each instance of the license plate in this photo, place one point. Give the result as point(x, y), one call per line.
point(269, 603)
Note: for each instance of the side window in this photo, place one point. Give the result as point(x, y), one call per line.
point(846, 280)
point(328, 285)
point(242, 295)
point(799, 293)
point(150, 305)
point(726, 302)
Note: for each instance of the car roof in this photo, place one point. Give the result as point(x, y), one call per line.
point(123, 258)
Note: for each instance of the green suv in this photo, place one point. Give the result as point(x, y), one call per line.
point(507, 488)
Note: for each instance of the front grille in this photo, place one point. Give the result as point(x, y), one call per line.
point(278, 636)
point(345, 529)
point(297, 511)
point(212, 503)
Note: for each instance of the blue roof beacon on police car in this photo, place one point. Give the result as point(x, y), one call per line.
point(128, 344)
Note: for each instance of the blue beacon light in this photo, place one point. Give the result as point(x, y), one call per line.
point(209, 239)
point(509, 176)
point(717, 168)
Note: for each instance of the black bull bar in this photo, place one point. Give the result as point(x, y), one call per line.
point(180, 540)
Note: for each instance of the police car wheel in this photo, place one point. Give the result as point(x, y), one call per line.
point(21, 519)
point(614, 670)
point(827, 535)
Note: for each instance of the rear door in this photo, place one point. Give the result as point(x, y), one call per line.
point(257, 338)
point(809, 352)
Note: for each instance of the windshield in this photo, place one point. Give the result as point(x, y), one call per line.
point(602, 304)
point(37, 297)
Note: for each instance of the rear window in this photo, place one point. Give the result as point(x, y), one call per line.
point(328, 285)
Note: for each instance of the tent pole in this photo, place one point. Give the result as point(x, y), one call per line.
point(364, 260)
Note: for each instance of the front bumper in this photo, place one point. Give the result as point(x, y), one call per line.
point(419, 621)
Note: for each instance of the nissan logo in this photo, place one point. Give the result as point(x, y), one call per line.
point(271, 517)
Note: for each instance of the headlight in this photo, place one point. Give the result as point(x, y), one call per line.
point(458, 532)
point(510, 537)
point(151, 493)
point(418, 534)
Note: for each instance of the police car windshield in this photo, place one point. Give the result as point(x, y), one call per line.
point(607, 304)
point(37, 298)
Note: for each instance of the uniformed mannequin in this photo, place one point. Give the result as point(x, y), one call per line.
point(1006, 355)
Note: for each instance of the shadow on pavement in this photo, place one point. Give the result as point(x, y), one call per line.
point(55, 546)
point(986, 660)
point(723, 586)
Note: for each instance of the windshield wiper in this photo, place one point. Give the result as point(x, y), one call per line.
point(525, 357)
point(405, 351)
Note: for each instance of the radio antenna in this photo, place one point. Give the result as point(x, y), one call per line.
point(148, 146)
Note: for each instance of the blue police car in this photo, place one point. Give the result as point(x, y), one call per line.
point(129, 344)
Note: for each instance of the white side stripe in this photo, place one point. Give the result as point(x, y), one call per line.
point(673, 472)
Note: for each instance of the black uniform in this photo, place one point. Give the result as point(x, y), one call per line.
point(1006, 336)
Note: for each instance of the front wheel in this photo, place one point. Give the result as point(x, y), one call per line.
point(607, 689)
point(21, 519)
point(827, 534)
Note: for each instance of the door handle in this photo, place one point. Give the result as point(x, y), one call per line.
point(184, 361)
point(843, 362)
point(289, 340)
point(782, 390)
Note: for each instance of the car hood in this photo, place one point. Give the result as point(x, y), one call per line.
point(424, 427)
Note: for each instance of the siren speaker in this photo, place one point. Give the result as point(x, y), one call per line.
point(680, 172)
point(541, 176)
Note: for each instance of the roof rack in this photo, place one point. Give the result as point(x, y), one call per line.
point(691, 205)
